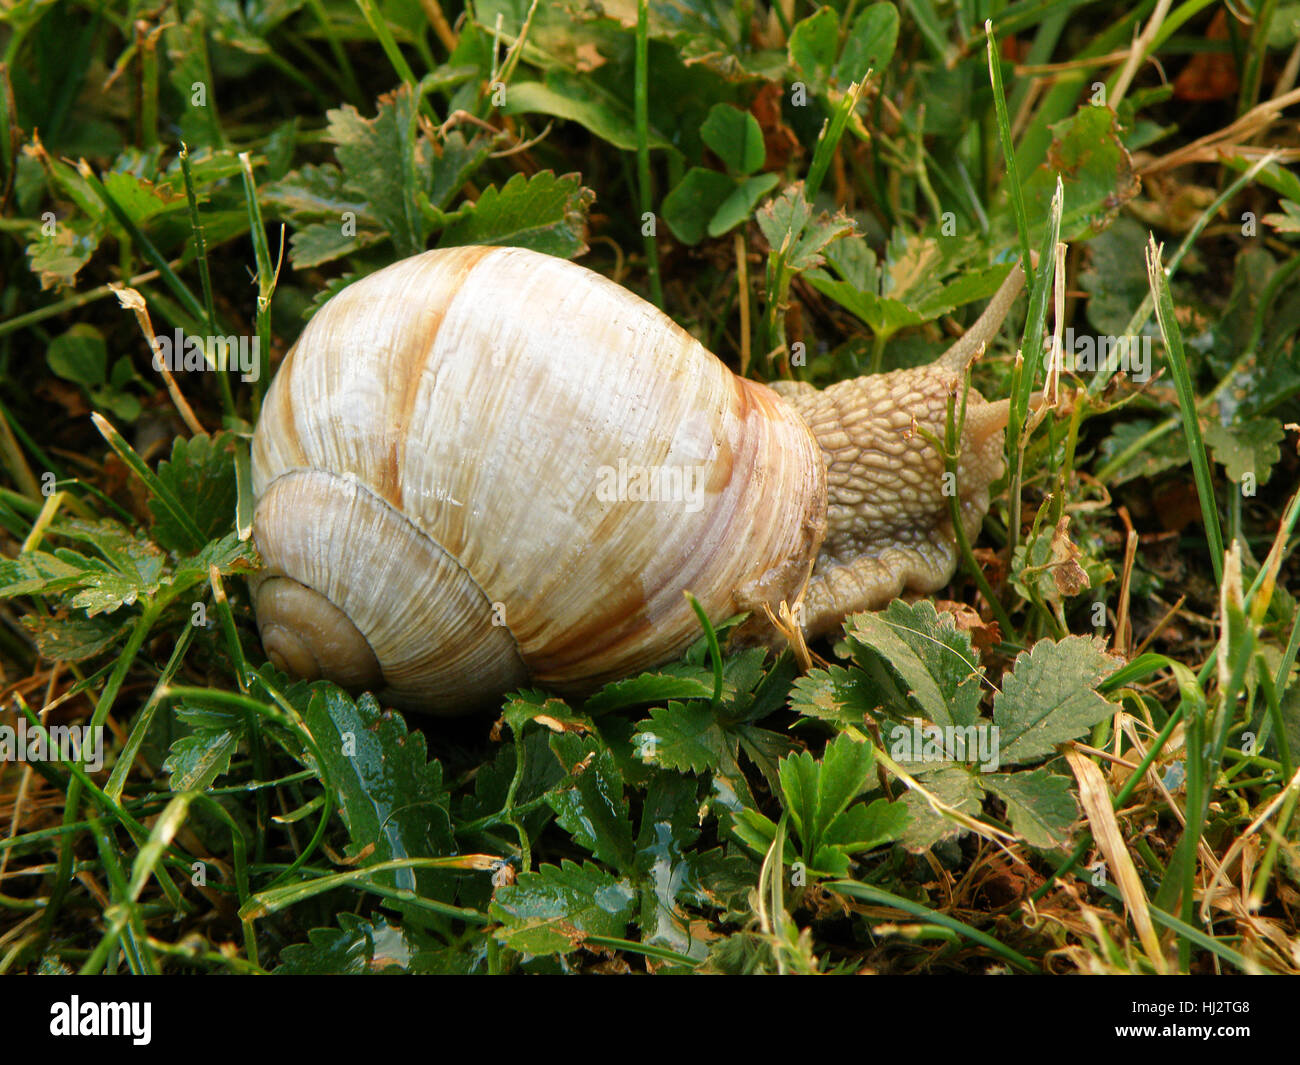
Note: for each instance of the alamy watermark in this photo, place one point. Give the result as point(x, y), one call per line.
point(54, 743)
point(919, 742)
point(628, 482)
point(189, 353)
point(1084, 353)
point(77, 1018)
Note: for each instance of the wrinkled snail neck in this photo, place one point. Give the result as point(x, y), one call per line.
point(888, 517)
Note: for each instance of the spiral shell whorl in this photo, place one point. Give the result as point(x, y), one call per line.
point(430, 460)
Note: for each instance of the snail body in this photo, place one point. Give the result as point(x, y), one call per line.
point(480, 468)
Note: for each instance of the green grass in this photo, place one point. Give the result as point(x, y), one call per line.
point(1131, 599)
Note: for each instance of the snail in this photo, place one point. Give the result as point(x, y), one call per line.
point(481, 468)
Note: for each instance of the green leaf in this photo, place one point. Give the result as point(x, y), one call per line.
point(376, 156)
point(1096, 171)
point(694, 201)
point(954, 785)
point(932, 662)
point(592, 808)
point(1040, 804)
point(1249, 448)
point(457, 161)
point(1149, 458)
point(45, 573)
point(845, 769)
point(677, 681)
point(817, 796)
point(1050, 697)
point(140, 198)
point(390, 794)
point(319, 203)
point(870, 44)
point(866, 825)
point(73, 638)
point(1289, 220)
point(668, 828)
point(201, 474)
point(57, 257)
point(735, 137)
point(553, 910)
point(788, 222)
point(799, 778)
point(814, 42)
point(544, 212)
point(356, 947)
point(195, 761)
point(740, 204)
point(79, 355)
point(685, 736)
point(836, 694)
point(580, 99)
point(555, 714)
point(132, 567)
point(1116, 277)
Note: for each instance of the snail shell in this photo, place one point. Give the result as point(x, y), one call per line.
point(450, 471)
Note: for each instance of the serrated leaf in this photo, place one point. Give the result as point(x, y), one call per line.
point(835, 694)
point(668, 828)
point(932, 660)
point(1150, 458)
point(1289, 219)
point(799, 775)
point(72, 638)
point(1049, 697)
point(866, 825)
point(1088, 155)
point(545, 213)
point(787, 223)
point(546, 710)
point(57, 257)
point(678, 681)
point(718, 880)
point(323, 242)
point(817, 796)
point(376, 155)
point(45, 572)
point(201, 474)
point(846, 767)
point(359, 947)
point(553, 910)
point(391, 796)
point(1040, 804)
point(591, 807)
point(1249, 448)
point(953, 785)
point(455, 163)
point(312, 193)
point(685, 737)
point(195, 761)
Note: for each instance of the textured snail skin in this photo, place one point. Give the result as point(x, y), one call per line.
point(889, 526)
point(429, 462)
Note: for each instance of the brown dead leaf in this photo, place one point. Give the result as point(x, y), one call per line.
point(1210, 75)
point(1069, 576)
point(587, 57)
